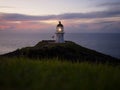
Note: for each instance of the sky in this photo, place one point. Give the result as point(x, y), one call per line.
point(87, 16)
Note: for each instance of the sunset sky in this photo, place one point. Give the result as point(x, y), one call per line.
point(92, 16)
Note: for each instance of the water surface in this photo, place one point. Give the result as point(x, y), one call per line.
point(105, 43)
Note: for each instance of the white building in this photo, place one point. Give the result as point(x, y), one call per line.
point(60, 33)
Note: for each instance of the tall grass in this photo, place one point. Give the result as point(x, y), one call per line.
point(25, 74)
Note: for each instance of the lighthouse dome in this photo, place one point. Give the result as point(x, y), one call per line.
point(59, 25)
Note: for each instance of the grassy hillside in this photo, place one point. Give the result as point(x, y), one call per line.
point(52, 74)
point(66, 51)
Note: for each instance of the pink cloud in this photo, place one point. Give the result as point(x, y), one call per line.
point(23, 25)
point(30, 25)
point(72, 22)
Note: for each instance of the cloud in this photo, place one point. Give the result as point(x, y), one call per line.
point(98, 27)
point(98, 14)
point(99, 21)
point(6, 7)
point(109, 4)
point(102, 14)
point(22, 17)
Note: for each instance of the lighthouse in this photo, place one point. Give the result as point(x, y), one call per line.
point(60, 33)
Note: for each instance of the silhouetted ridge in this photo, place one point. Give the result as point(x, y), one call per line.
point(65, 51)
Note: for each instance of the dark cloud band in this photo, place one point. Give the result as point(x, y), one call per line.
point(99, 14)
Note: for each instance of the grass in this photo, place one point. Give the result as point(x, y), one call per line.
point(25, 74)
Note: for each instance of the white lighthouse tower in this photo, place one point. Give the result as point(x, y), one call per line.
point(60, 33)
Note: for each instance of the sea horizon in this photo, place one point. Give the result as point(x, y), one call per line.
point(106, 43)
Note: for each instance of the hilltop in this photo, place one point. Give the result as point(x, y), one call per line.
point(68, 50)
point(65, 51)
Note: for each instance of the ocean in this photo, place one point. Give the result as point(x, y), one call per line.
point(107, 43)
